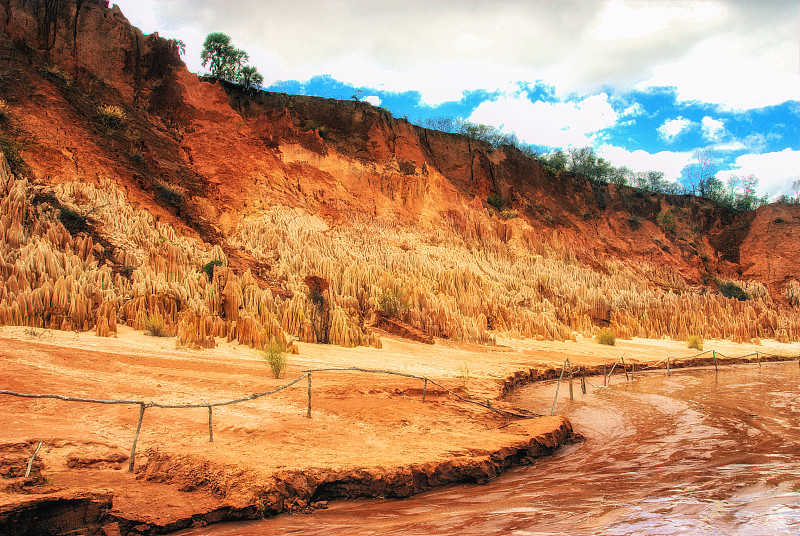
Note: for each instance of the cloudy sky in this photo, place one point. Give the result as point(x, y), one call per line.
point(646, 83)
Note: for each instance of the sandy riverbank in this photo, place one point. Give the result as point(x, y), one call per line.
point(369, 435)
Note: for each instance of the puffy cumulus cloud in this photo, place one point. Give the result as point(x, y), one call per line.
point(552, 124)
point(710, 51)
point(713, 129)
point(732, 73)
point(670, 162)
point(775, 171)
point(373, 100)
point(672, 128)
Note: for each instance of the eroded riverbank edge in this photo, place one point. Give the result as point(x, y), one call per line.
point(297, 491)
point(210, 490)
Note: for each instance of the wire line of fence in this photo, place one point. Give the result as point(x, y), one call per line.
point(210, 405)
point(567, 365)
point(307, 375)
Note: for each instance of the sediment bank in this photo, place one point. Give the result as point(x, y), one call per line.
point(369, 436)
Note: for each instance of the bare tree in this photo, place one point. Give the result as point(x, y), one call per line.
point(701, 171)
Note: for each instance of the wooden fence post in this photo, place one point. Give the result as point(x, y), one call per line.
point(30, 462)
point(571, 397)
point(605, 378)
point(583, 379)
point(667, 366)
point(714, 354)
point(558, 385)
point(136, 438)
point(425, 390)
point(309, 396)
point(210, 429)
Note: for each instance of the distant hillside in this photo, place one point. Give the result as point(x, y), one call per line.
point(131, 175)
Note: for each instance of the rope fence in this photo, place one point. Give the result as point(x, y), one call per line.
point(307, 374)
point(210, 405)
point(657, 365)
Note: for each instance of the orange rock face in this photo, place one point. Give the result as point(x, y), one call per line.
point(241, 176)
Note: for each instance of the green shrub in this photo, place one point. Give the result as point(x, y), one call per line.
point(729, 289)
point(12, 149)
point(208, 268)
point(508, 214)
point(169, 195)
point(694, 342)
point(275, 355)
point(606, 336)
point(392, 302)
point(496, 200)
point(154, 325)
point(667, 222)
point(111, 117)
point(5, 111)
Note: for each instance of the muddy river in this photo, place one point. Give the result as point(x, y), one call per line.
point(696, 453)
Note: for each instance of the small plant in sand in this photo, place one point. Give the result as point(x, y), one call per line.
point(694, 342)
point(154, 325)
point(111, 117)
point(275, 355)
point(606, 336)
point(464, 372)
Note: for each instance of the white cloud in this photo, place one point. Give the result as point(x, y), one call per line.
point(140, 13)
point(672, 128)
point(559, 124)
point(711, 51)
point(623, 20)
point(737, 75)
point(713, 129)
point(670, 162)
point(775, 171)
point(373, 100)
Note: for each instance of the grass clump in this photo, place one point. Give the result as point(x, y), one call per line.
point(606, 336)
point(695, 342)
point(111, 117)
point(155, 326)
point(275, 355)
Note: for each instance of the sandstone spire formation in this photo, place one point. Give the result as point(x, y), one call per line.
point(208, 208)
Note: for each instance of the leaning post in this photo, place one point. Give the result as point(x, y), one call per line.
point(136, 437)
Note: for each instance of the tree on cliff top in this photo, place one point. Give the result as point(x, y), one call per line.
point(227, 62)
point(250, 77)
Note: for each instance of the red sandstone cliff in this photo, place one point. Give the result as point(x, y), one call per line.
point(230, 153)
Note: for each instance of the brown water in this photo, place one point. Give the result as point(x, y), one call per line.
point(698, 453)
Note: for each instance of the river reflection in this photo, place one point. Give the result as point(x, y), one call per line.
point(696, 453)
